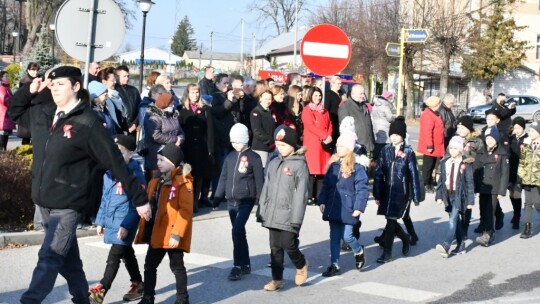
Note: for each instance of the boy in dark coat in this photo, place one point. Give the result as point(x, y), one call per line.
point(241, 183)
point(456, 191)
point(518, 140)
point(491, 181)
point(395, 177)
point(283, 204)
point(117, 219)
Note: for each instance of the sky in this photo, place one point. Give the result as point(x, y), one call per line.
point(218, 16)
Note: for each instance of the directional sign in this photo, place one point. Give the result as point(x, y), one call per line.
point(326, 49)
point(392, 49)
point(416, 35)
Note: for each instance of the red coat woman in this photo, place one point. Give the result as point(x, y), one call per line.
point(431, 141)
point(6, 124)
point(317, 129)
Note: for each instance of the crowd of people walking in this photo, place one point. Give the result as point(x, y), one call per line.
point(251, 144)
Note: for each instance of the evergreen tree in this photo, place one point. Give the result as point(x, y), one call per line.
point(494, 48)
point(40, 53)
point(183, 38)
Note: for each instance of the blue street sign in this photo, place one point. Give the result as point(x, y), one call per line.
point(392, 49)
point(416, 35)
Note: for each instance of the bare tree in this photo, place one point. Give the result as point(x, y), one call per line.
point(280, 13)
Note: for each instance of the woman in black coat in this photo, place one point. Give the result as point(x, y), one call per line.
point(196, 121)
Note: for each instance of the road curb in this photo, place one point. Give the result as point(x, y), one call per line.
point(32, 238)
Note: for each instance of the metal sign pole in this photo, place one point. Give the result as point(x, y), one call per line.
point(400, 73)
point(89, 42)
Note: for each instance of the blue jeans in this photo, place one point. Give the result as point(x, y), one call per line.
point(239, 214)
point(454, 227)
point(59, 254)
point(339, 231)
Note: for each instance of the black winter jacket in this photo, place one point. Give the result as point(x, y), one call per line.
point(449, 121)
point(65, 157)
point(263, 125)
point(242, 178)
point(396, 181)
point(491, 171)
point(513, 159)
point(132, 100)
point(226, 113)
point(505, 123)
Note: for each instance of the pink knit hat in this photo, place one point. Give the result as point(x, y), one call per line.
point(347, 140)
point(457, 142)
point(387, 95)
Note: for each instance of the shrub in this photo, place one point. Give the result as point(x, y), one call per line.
point(16, 206)
point(13, 74)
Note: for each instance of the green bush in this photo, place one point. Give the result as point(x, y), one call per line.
point(13, 74)
point(16, 206)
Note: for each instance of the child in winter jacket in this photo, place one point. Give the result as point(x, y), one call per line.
point(343, 199)
point(169, 231)
point(491, 181)
point(396, 177)
point(241, 183)
point(529, 173)
point(117, 220)
point(282, 206)
point(456, 191)
point(518, 139)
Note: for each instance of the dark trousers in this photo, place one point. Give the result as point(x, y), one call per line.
point(428, 166)
point(392, 229)
point(59, 254)
point(154, 256)
point(408, 222)
point(116, 254)
point(488, 204)
point(465, 221)
point(281, 241)
point(239, 214)
point(316, 185)
point(3, 142)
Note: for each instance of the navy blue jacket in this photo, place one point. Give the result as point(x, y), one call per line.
point(343, 195)
point(116, 210)
point(464, 191)
point(491, 171)
point(242, 177)
point(396, 181)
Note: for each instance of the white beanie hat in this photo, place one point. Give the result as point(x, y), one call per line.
point(347, 124)
point(347, 140)
point(239, 134)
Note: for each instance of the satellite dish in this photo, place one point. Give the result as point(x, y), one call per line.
point(73, 28)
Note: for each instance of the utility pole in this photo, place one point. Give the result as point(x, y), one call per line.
point(253, 56)
point(200, 57)
point(211, 45)
point(242, 49)
point(295, 34)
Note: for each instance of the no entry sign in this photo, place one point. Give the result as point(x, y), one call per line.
point(326, 49)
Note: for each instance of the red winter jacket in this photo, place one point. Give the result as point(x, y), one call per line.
point(431, 134)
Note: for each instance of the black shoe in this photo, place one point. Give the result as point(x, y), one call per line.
point(515, 225)
point(527, 233)
point(147, 300)
point(246, 269)
point(406, 244)
point(235, 274)
point(414, 239)
point(499, 221)
point(346, 248)
point(460, 249)
point(331, 271)
point(385, 258)
point(360, 259)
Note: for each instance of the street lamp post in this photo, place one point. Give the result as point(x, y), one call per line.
point(15, 34)
point(145, 6)
point(52, 27)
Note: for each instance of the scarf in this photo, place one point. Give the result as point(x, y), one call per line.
point(316, 107)
point(194, 107)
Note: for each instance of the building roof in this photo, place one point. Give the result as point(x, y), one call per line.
point(150, 55)
point(288, 50)
point(281, 41)
point(215, 55)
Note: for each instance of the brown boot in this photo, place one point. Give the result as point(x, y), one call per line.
point(301, 275)
point(273, 285)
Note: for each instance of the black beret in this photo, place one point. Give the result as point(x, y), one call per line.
point(127, 141)
point(492, 111)
point(65, 71)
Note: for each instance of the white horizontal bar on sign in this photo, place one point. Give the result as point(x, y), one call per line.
point(326, 50)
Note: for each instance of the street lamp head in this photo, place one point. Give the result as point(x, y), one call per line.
point(15, 34)
point(52, 26)
point(145, 5)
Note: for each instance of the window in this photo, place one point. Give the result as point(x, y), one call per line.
point(538, 47)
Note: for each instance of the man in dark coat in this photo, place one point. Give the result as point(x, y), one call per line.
point(130, 97)
point(332, 99)
point(448, 118)
point(356, 107)
point(207, 85)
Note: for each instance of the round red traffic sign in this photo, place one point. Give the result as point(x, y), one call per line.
point(326, 49)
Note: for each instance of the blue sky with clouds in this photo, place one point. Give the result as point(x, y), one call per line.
point(221, 17)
